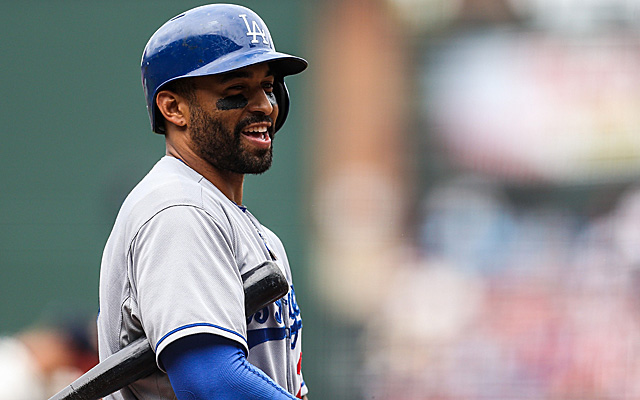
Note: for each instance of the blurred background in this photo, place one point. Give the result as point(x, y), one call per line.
point(457, 186)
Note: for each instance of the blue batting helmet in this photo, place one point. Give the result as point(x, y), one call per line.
point(208, 40)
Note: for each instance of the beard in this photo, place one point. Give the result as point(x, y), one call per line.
point(223, 148)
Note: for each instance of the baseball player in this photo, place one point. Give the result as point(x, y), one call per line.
point(172, 266)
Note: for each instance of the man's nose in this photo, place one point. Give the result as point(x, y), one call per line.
point(263, 102)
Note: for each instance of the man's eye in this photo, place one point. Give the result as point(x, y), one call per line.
point(268, 85)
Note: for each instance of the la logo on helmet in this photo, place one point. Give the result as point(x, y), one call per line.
point(254, 30)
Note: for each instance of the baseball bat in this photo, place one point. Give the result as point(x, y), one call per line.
point(262, 285)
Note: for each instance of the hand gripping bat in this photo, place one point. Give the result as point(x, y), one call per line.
point(263, 285)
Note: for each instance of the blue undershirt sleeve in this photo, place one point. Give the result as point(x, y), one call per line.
point(207, 366)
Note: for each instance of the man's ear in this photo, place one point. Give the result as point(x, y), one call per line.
point(173, 107)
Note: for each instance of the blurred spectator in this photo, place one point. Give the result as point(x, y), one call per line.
point(37, 363)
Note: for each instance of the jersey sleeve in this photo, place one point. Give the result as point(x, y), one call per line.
point(185, 279)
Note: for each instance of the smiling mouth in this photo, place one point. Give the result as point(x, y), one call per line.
point(261, 132)
point(258, 134)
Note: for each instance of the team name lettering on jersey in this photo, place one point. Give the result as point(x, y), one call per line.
point(287, 306)
point(254, 30)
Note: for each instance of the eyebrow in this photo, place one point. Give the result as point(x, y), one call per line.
point(229, 76)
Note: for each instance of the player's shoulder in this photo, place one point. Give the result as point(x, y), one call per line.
point(169, 184)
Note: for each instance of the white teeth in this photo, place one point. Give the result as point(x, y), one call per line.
point(261, 129)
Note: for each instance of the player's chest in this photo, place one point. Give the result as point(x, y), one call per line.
point(252, 243)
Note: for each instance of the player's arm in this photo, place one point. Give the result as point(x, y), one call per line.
point(206, 366)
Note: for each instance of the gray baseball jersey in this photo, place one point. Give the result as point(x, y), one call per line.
point(172, 267)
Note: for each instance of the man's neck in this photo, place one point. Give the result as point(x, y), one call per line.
point(231, 184)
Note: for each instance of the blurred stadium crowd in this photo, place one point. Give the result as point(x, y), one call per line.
point(505, 303)
point(521, 282)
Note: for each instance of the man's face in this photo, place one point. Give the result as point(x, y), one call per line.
point(233, 119)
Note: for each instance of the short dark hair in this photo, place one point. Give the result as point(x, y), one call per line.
point(184, 87)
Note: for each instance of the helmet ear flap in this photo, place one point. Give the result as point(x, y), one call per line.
point(158, 120)
point(282, 98)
